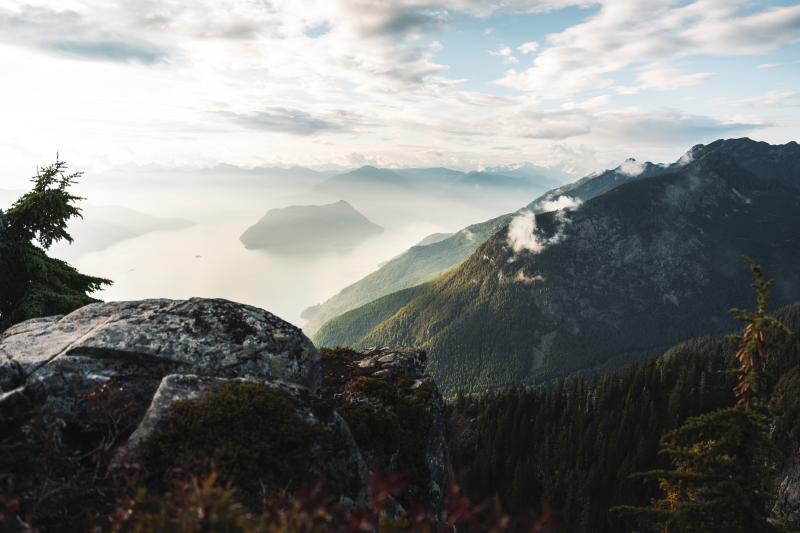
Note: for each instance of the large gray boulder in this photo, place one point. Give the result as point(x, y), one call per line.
point(73, 388)
point(153, 338)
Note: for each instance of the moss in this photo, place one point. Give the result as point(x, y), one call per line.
point(374, 388)
point(396, 422)
point(252, 431)
point(338, 351)
point(374, 429)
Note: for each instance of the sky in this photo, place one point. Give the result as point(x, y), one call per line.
point(575, 84)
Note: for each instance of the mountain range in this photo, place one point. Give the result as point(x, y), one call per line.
point(650, 257)
point(425, 261)
point(438, 179)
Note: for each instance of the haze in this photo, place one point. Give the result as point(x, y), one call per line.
point(150, 98)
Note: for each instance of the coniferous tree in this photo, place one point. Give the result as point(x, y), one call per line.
point(721, 476)
point(33, 284)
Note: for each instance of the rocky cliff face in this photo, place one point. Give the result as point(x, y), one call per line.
point(180, 384)
point(787, 493)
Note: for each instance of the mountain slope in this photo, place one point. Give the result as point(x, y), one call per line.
point(359, 322)
point(309, 227)
point(423, 263)
point(628, 273)
point(417, 265)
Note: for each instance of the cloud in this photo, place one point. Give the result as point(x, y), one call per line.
point(565, 202)
point(771, 99)
point(117, 51)
point(663, 78)
point(166, 80)
point(521, 277)
point(296, 121)
point(506, 53)
point(631, 167)
point(592, 119)
point(665, 127)
point(522, 235)
point(646, 34)
point(69, 33)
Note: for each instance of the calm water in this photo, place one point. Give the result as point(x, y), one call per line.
point(208, 260)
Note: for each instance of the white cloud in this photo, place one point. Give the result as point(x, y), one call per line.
point(522, 234)
point(621, 35)
point(662, 77)
point(521, 277)
point(506, 53)
point(771, 99)
point(250, 82)
point(631, 167)
point(561, 203)
point(528, 48)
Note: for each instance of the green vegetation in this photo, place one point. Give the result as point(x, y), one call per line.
point(720, 480)
point(355, 324)
point(395, 421)
point(250, 430)
point(633, 272)
point(575, 446)
point(33, 284)
point(413, 267)
point(423, 263)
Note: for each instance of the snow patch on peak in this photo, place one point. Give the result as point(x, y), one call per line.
point(631, 167)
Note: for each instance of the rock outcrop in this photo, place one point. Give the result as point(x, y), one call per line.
point(153, 338)
point(176, 384)
point(786, 508)
point(329, 452)
point(397, 417)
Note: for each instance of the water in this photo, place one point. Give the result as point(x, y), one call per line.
point(207, 259)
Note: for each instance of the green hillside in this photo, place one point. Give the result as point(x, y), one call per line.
point(574, 446)
point(630, 272)
point(422, 263)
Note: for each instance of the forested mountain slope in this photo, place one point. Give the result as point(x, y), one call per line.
point(573, 447)
point(422, 263)
point(619, 278)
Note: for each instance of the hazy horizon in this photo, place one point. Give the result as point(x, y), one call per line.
point(189, 110)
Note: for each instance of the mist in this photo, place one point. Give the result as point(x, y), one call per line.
point(196, 251)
